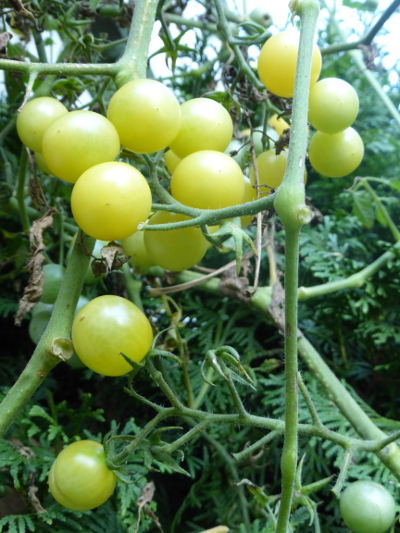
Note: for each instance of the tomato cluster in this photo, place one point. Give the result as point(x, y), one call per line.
point(335, 149)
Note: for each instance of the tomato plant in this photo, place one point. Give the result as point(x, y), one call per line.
point(79, 478)
point(176, 249)
point(35, 117)
point(367, 507)
point(336, 155)
point(208, 180)
point(333, 105)
point(106, 327)
point(122, 200)
point(77, 141)
point(277, 63)
point(206, 125)
point(146, 115)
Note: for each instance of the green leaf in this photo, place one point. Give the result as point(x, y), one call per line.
point(363, 208)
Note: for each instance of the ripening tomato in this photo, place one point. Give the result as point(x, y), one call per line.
point(106, 327)
point(35, 117)
point(333, 105)
point(76, 142)
point(171, 160)
point(367, 507)
point(147, 115)
point(336, 155)
point(208, 180)
point(79, 478)
point(278, 124)
point(41, 163)
point(176, 249)
point(53, 276)
point(206, 125)
point(135, 247)
point(277, 63)
point(110, 200)
point(271, 169)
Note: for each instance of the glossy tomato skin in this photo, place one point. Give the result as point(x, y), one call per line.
point(367, 507)
point(110, 200)
point(206, 125)
point(208, 180)
point(333, 105)
point(76, 142)
point(171, 161)
point(176, 249)
point(107, 326)
point(79, 478)
point(336, 155)
point(35, 117)
point(277, 63)
point(146, 114)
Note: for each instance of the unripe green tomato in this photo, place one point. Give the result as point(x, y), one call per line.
point(41, 163)
point(261, 16)
point(53, 276)
point(333, 105)
point(367, 507)
point(40, 307)
point(277, 63)
point(237, 146)
point(208, 180)
point(206, 125)
point(336, 155)
point(171, 160)
point(38, 324)
point(147, 115)
point(77, 141)
point(177, 249)
point(134, 246)
point(35, 117)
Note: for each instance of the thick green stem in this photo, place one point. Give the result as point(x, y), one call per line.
point(133, 63)
point(54, 346)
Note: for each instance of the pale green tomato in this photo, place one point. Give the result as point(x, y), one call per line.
point(110, 200)
point(277, 63)
point(53, 276)
point(177, 249)
point(35, 117)
point(206, 125)
point(79, 478)
point(271, 169)
point(134, 246)
point(333, 105)
point(147, 115)
point(171, 160)
point(261, 16)
point(41, 163)
point(76, 142)
point(107, 326)
point(336, 155)
point(208, 180)
point(237, 146)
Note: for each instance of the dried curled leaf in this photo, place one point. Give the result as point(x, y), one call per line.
point(33, 291)
point(112, 258)
point(143, 501)
point(4, 38)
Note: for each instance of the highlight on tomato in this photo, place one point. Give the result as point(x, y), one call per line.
point(208, 180)
point(110, 200)
point(76, 142)
point(177, 249)
point(79, 478)
point(336, 155)
point(206, 125)
point(146, 114)
point(277, 63)
point(106, 327)
point(35, 117)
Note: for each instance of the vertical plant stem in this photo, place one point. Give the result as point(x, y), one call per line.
point(23, 166)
